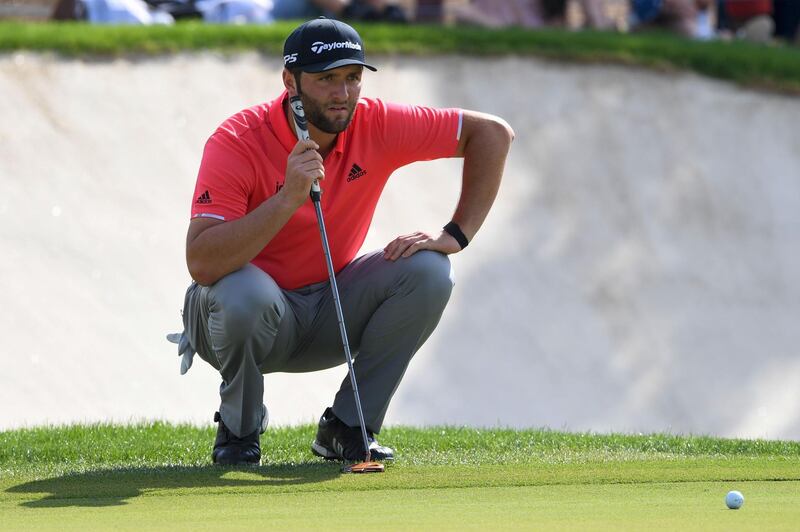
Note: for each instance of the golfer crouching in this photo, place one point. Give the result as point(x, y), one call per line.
point(262, 301)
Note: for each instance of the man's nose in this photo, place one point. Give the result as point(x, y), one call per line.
point(340, 91)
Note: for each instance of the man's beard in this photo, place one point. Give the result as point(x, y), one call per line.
point(315, 114)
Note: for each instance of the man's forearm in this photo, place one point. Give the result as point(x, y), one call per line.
point(484, 160)
point(226, 247)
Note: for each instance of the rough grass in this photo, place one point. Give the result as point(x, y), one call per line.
point(775, 67)
point(80, 448)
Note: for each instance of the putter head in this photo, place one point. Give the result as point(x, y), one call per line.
point(364, 467)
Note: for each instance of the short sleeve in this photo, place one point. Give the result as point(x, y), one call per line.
point(413, 133)
point(224, 181)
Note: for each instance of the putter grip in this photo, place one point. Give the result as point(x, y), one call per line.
point(301, 128)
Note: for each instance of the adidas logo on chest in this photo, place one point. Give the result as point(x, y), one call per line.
point(355, 172)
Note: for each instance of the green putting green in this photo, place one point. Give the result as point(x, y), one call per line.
point(675, 506)
point(157, 476)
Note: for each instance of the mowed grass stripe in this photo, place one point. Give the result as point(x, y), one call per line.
point(683, 506)
point(125, 484)
point(116, 486)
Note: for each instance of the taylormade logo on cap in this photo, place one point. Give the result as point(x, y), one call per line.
point(319, 47)
point(323, 44)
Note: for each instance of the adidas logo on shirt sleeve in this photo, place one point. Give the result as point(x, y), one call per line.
point(204, 198)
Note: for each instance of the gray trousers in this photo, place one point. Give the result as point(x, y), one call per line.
point(245, 326)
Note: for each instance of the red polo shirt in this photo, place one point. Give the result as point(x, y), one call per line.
point(244, 163)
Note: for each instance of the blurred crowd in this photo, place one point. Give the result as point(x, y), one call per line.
point(754, 20)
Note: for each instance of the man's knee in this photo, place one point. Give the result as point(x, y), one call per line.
point(241, 317)
point(245, 299)
point(431, 273)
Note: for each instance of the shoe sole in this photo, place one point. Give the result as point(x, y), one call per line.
point(224, 462)
point(231, 463)
point(323, 452)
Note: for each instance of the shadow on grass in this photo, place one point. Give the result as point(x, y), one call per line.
point(112, 487)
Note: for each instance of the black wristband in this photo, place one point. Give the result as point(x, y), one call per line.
point(454, 230)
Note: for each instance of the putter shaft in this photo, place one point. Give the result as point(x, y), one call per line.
point(301, 127)
point(342, 329)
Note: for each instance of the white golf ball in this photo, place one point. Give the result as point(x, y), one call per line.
point(734, 500)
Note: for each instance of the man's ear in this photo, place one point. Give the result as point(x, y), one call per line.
point(289, 82)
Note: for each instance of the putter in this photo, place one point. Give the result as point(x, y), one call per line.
point(301, 127)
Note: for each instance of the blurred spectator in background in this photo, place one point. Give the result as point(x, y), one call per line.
point(747, 19)
point(236, 11)
point(787, 19)
point(269, 10)
point(123, 12)
point(68, 10)
point(429, 11)
point(374, 10)
point(690, 18)
point(759, 20)
point(754, 20)
point(527, 13)
point(224, 11)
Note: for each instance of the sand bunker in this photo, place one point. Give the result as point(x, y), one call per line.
point(638, 273)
